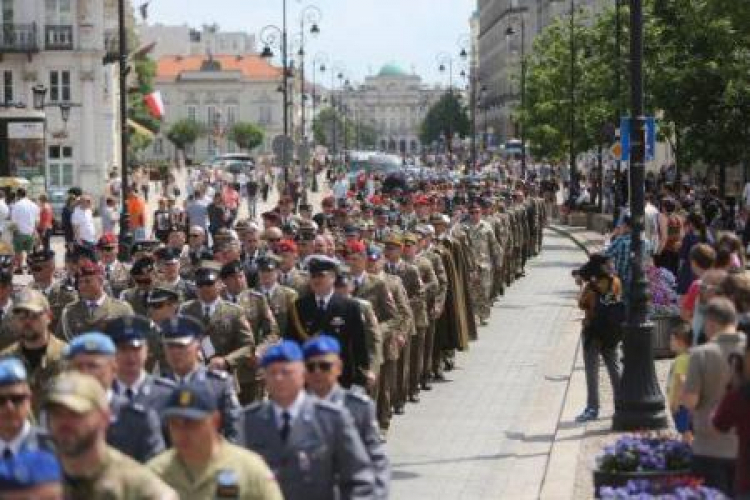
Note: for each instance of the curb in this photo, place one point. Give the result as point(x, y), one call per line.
point(588, 246)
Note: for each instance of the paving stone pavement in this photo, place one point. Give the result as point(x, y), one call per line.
point(475, 436)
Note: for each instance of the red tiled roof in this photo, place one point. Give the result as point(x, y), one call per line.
point(252, 66)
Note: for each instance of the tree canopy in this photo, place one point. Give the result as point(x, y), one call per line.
point(247, 136)
point(445, 119)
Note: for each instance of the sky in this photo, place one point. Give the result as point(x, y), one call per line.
point(359, 35)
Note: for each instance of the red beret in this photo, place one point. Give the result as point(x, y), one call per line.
point(89, 268)
point(356, 246)
point(286, 246)
point(422, 200)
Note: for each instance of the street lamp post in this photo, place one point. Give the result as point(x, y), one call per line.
point(640, 404)
point(274, 36)
point(464, 41)
point(572, 112)
point(312, 15)
point(319, 64)
point(445, 61)
point(510, 32)
point(124, 238)
point(618, 112)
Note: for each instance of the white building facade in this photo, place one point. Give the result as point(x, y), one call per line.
point(393, 103)
point(217, 92)
point(186, 41)
point(60, 44)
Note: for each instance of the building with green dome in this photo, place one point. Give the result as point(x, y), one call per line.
point(393, 102)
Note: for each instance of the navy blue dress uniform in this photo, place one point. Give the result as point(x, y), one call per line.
point(150, 391)
point(184, 330)
point(12, 372)
point(29, 470)
point(134, 429)
point(322, 456)
point(362, 410)
point(340, 317)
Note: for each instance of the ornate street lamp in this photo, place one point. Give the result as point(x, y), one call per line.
point(511, 31)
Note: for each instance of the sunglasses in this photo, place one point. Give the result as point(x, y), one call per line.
point(37, 269)
point(108, 249)
point(15, 399)
point(323, 366)
point(157, 305)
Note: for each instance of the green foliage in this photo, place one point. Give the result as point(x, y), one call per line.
point(697, 79)
point(185, 132)
point(323, 128)
point(246, 135)
point(447, 117)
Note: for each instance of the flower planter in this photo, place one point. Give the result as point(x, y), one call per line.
point(602, 478)
point(663, 325)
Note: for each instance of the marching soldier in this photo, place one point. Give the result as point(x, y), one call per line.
point(414, 287)
point(116, 274)
point(227, 471)
point(33, 316)
point(134, 429)
point(322, 368)
point(182, 338)
point(289, 275)
point(311, 445)
point(79, 415)
point(58, 293)
point(437, 303)
point(322, 311)
point(229, 343)
point(487, 255)
point(168, 266)
point(130, 336)
point(143, 274)
point(94, 308)
point(394, 337)
point(280, 298)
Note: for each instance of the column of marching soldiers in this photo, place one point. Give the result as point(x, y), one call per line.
point(297, 340)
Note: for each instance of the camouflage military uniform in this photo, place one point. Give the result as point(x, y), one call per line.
point(435, 308)
point(59, 294)
point(137, 298)
point(182, 287)
point(295, 279)
point(486, 254)
point(117, 278)
point(281, 300)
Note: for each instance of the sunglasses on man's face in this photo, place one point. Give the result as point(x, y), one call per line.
point(323, 366)
point(15, 399)
point(108, 249)
point(23, 314)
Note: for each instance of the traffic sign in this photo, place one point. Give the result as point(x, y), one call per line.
point(625, 138)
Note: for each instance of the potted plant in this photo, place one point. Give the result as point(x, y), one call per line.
point(663, 308)
point(679, 488)
point(644, 456)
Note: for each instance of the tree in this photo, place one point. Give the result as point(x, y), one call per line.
point(323, 129)
point(445, 119)
point(247, 136)
point(183, 133)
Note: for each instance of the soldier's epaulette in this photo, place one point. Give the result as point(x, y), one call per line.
point(358, 395)
point(165, 382)
point(256, 293)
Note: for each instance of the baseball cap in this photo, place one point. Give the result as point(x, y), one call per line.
point(12, 371)
point(90, 343)
point(321, 345)
point(76, 391)
point(194, 401)
point(30, 300)
point(283, 352)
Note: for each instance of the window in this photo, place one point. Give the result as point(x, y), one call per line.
point(7, 87)
point(59, 86)
point(60, 166)
point(231, 115)
point(212, 146)
point(213, 116)
point(58, 12)
point(6, 11)
point(191, 113)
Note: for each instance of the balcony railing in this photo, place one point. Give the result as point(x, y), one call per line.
point(58, 37)
point(18, 38)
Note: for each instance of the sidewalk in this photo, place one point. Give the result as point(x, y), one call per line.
point(575, 446)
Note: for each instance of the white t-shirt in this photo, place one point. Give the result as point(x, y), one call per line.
point(83, 219)
point(4, 214)
point(25, 215)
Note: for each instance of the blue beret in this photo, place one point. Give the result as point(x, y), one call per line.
point(128, 330)
point(194, 400)
point(27, 469)
point(181, 330)
point(285, 351)
point(321, 345)
point(90, 343)
point(12, 371)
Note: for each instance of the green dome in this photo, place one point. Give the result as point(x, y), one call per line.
point(391, 69)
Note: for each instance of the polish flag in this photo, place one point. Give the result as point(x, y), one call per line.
point(155, 104)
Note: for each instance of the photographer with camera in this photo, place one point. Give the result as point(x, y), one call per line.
point(604, 312)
